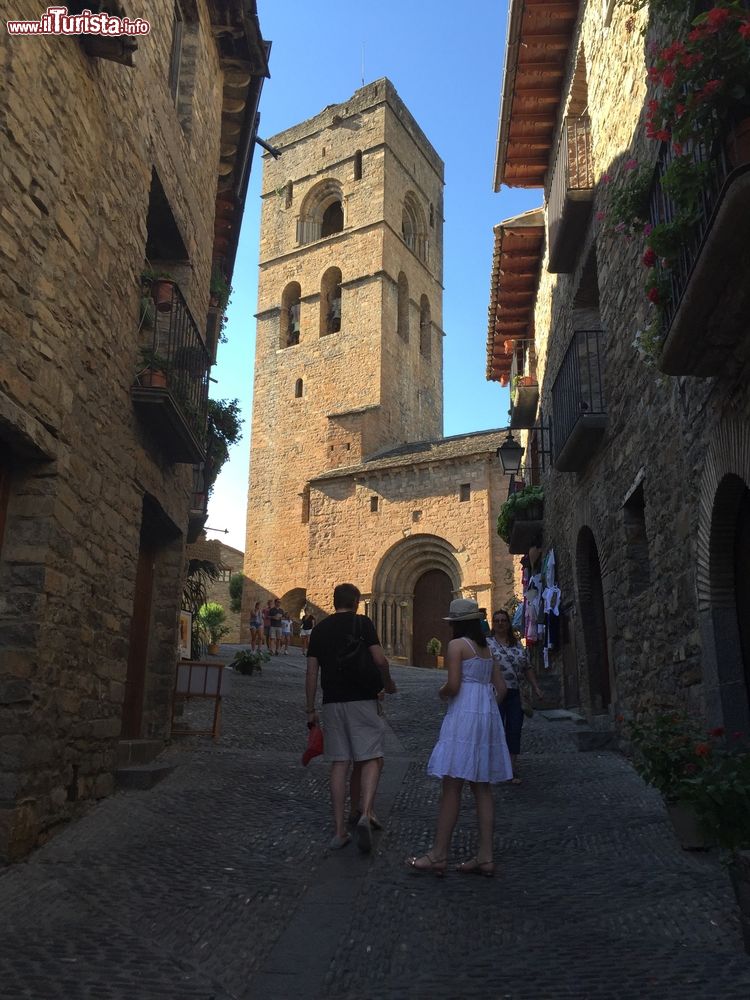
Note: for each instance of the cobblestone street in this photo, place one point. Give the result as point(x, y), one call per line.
point(217, 883)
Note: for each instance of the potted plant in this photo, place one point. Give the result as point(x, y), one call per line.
point(154, 369)
point(526, 504)
point(434, 648)
point(211, 622)
point(670, 750)
point(220, 288)
point(247, 661)
point(721, 798)
point(162, 285)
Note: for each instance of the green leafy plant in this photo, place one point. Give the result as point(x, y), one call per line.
point(220, 288)
point(211, 622)
point(247, 661)
point(434, 646)
point(200, 573)
point(670, 751)
point(516, 503)
point(720, 791)
point(236, 586)
point(520, 381)
point(152, 360)
point(224, 430)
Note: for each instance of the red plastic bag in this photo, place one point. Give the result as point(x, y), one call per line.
point(314, 744)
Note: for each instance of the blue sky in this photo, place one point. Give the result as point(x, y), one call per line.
point(445, 60)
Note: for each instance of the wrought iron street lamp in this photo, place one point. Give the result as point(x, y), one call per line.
point(510, 454)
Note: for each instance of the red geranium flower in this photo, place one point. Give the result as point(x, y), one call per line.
point(745, 29)
point(710, 88)
point(668, 77)
point(718, 731)
point(653, 295)
point(717, 17)
point(649, 258)
point(702, 749)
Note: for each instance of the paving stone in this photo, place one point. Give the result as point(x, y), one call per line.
point(217, 883)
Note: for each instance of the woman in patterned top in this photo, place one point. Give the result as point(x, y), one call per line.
point(511, 657)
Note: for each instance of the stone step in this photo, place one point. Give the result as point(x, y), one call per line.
point(593, 739)
point(138, 751)
point(142, 776)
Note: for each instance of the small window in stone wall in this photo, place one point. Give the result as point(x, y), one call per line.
point(432, 216)
point(305, 495)
point(464, 491)
point(358, 165)
point(298, 389)
point(374, 504)
point(636, 542)
point(416, 515)
point(288, 194)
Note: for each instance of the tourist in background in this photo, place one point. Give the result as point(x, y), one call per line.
point(511, 657)
point(306, 626)
point(267, 623)
point(256, 628)
point(286, 632)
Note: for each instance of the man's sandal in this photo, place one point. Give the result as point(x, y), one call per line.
point(476, 867)
point(427, 865)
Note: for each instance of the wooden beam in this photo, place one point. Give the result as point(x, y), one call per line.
point(542, 93)
point(545, 40)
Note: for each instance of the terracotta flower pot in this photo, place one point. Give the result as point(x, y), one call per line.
point(738, 144)
point(154, 379)
point(213, 649)
point(161, 290)
point(685, 824)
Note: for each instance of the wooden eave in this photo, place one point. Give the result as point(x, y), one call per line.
point(540, 33)
point(516, 266)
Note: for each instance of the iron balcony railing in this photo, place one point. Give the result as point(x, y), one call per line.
point(572, 178)
point(662, 210)
point(578, 389)
point(177, 350)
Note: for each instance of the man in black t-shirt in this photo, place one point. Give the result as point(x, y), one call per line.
point(353, 727)
point(275, 615)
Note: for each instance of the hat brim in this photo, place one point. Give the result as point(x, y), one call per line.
point(472, 616)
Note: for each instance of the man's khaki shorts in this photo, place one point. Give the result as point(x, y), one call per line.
point(352, 730)
point(275, 633)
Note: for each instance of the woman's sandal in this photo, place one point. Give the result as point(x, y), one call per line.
point(476, 867)
point(433, 866)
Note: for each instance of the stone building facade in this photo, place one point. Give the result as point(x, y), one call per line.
point(228, 561)
point(646, 470)
point(348, 376)
point(117, 159)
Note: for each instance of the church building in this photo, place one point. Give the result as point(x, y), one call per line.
point(351, 478)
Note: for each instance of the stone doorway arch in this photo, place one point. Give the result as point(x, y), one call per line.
point(391, 603)
point(593, 616)
point(433, 592)
point(729, 580)
point(293, 602)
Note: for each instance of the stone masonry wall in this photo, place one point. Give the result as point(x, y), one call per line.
point(80, 137)
point(659, 429)
point(363, 388)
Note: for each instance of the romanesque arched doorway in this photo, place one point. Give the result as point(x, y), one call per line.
point(433, 592)
point(393, 602)
point(591, 602)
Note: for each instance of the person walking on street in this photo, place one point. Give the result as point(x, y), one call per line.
point(286, 632)
point(354, 728)
point(511, 657)
point(256, 628)
point(275, 615)
point(471, 746)
point(306, 626)
point(267, 623)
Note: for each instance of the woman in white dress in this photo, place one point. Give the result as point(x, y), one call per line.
point(471, 746)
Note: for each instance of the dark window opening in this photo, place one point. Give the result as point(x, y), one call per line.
point(291, 305)
point(636, 542)
point(402, 323)
point(298, 389)
point(333, 219)
point(416, 515)
point(425, 328)
point(464, 491)
point(348, 446)
point(306, 505)
point(358, 165)
point(432, 216)
point(163, 241)
point(288, 194)
point(373, 504)
point(330, 302)
point(175, 59)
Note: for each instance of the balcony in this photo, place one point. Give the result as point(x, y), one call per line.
point(524, 389)
point(705, 318)
point(579, 416)
point(170, 394)
point(571, 195)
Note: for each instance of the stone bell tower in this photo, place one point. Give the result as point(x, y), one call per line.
point(349, 358)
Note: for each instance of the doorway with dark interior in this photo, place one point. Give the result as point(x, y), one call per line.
point(433, 593)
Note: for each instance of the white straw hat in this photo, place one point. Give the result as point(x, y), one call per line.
point(463, 610)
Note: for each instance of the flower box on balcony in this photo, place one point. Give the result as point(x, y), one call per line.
point(571, 195)
point(521, 519)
